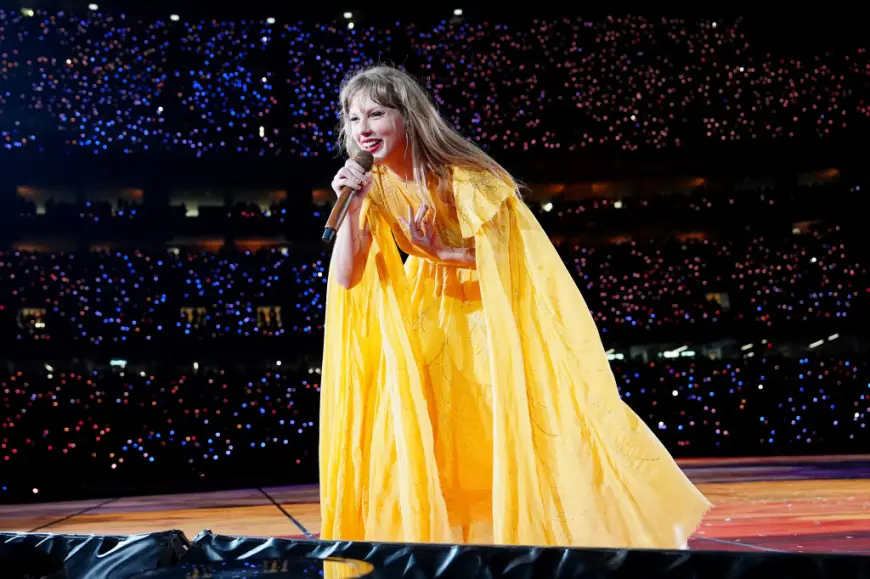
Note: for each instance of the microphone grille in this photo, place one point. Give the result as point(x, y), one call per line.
point(365, 159)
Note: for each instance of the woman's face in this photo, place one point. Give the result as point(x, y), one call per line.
point(378, 129)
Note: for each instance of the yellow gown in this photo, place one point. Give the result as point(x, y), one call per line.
point(478, 405)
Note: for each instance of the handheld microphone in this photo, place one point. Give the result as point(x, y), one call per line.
point(339, 210)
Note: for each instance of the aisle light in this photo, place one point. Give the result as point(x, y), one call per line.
point(675, 353)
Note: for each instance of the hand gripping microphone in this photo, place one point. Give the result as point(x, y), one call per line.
point(339, 210)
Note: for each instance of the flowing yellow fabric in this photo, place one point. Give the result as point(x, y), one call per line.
point(477, 405)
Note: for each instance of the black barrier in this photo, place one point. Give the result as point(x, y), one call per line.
point(472, 562)
point(89, 556)
point(169, 555)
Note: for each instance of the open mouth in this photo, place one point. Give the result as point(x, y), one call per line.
point(373, 145)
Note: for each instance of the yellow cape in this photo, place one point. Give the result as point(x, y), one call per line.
point(572, 465)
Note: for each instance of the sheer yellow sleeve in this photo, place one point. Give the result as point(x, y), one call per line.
point(573, 464)
point(478, 197)
point(348, 378)
point(378, 476)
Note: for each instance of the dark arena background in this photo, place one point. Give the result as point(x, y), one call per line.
point(164, 185)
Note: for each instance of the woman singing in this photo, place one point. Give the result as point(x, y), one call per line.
point(466, 396)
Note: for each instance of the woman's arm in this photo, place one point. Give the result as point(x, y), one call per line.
point(424, 238)
point(352, 248)
point(464, 257)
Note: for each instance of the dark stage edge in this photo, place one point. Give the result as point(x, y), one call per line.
point(170, 555)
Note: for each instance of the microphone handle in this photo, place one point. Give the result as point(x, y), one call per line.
point(339, 211)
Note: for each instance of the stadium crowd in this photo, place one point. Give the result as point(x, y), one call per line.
point(636, 289)
point(129, 422)
point(104, 81)
point(122, 427)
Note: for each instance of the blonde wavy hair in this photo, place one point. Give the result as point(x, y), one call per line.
point(434, 146)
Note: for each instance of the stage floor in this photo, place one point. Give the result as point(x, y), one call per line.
point(803, 504)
